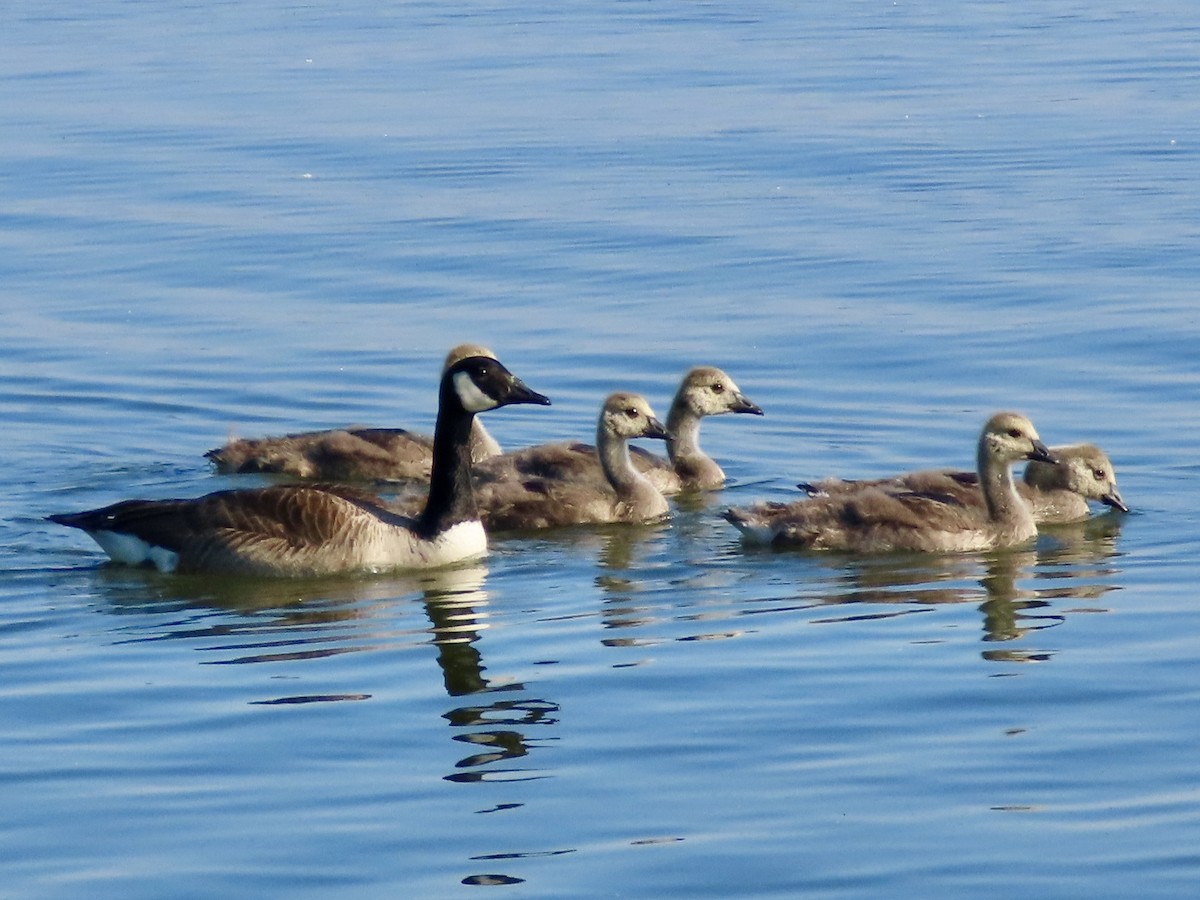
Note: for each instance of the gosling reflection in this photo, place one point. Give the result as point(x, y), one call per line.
point(618, 552)
point(904, 583)
point(1021, 593)
point(620, 579)
point(1074, 561)
point(1092, 541)
point(1011, 612)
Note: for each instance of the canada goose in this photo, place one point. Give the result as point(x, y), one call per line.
point(875, 519)
point(294, 530)
point(1057, 493)
point(704, 391)
point(509, 500)
point(351, 454)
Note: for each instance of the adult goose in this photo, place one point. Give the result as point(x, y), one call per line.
point(875, 519)
point(351, 454)
point(704, 391)
point(1057, 492)
point(510, 500)
point(298, 530)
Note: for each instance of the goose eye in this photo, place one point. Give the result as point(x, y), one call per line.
point(1014, 432)
point(631, 412)
point(1100, 474)
point(718, 388)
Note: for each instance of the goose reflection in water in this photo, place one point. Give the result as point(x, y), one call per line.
point(457, 615)
point(257, 620)
point(250, 620)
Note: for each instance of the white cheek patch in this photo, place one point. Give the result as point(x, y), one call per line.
point(470, 396)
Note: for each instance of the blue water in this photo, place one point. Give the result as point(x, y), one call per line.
point(886, 221)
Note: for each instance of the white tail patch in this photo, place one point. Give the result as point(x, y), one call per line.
point(754, 533)
point(470, 396)
point(133, 551)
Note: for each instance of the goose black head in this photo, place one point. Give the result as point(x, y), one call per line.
point(480, 383)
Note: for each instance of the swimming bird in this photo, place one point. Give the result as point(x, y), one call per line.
point(875, 519)
point(1057, 493)
point(298, 530)
point(511, 500)
point(351, 454)
point(704, 391)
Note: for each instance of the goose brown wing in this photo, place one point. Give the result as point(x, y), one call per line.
point(294, 515)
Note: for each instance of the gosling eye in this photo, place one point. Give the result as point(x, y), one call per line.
point(718, 388)
point(1100, 474)
point(1015, 433)
point(631, 412)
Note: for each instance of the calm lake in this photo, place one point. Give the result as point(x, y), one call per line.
point(885, 220)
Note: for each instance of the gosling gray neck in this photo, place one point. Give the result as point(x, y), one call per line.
point(1004, 505)
point(618, 468)
point(483, 445)
point(683, 444)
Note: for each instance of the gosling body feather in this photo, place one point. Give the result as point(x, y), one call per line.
point(1057, 493)
point(704, 391)
point(351, 454)
point(544, 487)
point(875, 519)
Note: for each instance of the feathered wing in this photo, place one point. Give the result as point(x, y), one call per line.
point(265, 531)
point(871, 519)
point(339, 454)
point(576, 462)
point(964, 485)
point(548, 503)
point(573, 461)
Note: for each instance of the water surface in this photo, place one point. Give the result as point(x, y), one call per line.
point(885, 221)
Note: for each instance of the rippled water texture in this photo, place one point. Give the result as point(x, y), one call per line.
point(885, 220)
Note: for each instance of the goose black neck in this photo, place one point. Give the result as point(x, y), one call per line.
point(451, 497)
